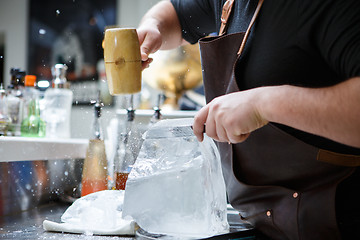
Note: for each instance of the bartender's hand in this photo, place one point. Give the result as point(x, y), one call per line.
point(159, 29)
point(150, 41)
point(230, 118)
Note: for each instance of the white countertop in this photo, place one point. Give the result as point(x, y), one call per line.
point(25, 148)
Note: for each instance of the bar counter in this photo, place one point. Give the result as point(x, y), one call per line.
point(28, 225)
point(28, 149)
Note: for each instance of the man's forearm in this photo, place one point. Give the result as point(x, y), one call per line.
point(163, 16)
point(331, 112)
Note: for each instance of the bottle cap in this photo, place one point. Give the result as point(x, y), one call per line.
point(30, 80)
point(14, 71)
point(20, 78)
point(98, 105)
point(2, 91)
point(59, 76)
point(14, 80)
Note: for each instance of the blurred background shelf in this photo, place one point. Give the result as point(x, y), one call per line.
point(27, 149)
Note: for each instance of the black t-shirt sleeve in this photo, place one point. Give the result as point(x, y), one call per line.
point(197, 18)
point(338, 40)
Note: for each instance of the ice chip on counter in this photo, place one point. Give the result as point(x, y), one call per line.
point(98, 213)
point(176, 185)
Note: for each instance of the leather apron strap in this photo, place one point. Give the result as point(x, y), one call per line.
point(226, 12)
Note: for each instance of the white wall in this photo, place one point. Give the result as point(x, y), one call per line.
point(14, 23)
point(131, 11)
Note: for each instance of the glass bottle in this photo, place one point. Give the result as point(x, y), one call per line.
point(58, 103)
point(15, 101)
point(127, 147)
point(94, 174)
point(32, 125)
point(4, 117)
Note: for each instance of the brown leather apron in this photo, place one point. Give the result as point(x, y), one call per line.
point(282, 186)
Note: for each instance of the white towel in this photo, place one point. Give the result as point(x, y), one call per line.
point(127, 228)
point(99, 213)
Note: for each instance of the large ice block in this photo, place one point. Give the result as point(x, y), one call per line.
point(176, 186)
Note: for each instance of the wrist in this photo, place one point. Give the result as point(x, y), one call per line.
point(267, 102)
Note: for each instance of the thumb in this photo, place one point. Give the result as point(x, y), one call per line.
point(199, 122)
point(150, 42)
point(145, 51)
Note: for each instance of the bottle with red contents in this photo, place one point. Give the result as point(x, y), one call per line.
point(94, 175)
point(125, 149)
